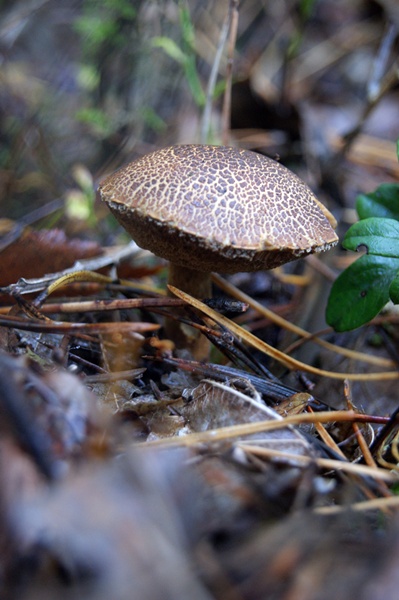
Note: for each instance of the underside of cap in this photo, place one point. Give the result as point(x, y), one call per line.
point(218, 208)
point(193, 252)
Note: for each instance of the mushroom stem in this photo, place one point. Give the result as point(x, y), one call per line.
point(197, 284)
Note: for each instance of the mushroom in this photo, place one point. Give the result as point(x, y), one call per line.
point(216, 208)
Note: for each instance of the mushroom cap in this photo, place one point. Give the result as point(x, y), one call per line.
point(218, 208)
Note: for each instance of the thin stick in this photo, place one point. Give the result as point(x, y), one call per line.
point(375, 504)
point(380, 62)
point(359, 436)
point(83, 306)
point(323, 463)
point(389, 81)
point(210, 90)
point(49, 326)
point(226, 113)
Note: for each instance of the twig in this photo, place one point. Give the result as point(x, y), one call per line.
point(323, 463)
point(206, 116)
point(380, 62)
point(375, 504)
point(389, 81)
point(83, 306)
point(74, 328)
point(226, 112)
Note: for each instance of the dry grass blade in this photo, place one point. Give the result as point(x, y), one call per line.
point(363, 446)
point(77, 276)
point(327, 439)
point(375, 504)
point(370, 151)
point(93, 277)
point(323, 463)
point(230, 289)
point(281, 357)
point(223, 433)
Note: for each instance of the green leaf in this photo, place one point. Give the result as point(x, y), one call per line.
point(306, 8)
point(194, 82)
point(379, 236)
point(95, 29)
point(397, 148)
point(170, 48)
point(121, 8)
point(360, 292)
point(152, 119)
point(96, 119)
point(383, 202)
point(394, 290)
point(187, 27)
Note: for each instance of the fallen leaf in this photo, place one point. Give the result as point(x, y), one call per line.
point(27, 253)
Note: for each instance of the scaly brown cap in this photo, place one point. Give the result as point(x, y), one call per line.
point(216, 208)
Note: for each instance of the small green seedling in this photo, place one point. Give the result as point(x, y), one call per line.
point(365, 287)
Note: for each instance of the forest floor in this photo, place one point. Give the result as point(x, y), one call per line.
point(128, 469)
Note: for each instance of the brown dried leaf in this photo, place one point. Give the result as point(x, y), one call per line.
point(32, 254)
point(216, 405)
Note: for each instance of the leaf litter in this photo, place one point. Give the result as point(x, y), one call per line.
point(164, 469)
point(130, 472)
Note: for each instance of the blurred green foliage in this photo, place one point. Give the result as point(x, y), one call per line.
point(98, 24)
point(185, 55)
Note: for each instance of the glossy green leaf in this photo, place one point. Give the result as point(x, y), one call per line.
point(394, 290)
point(383, 202)
point(378, 236)
point(360, 292)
